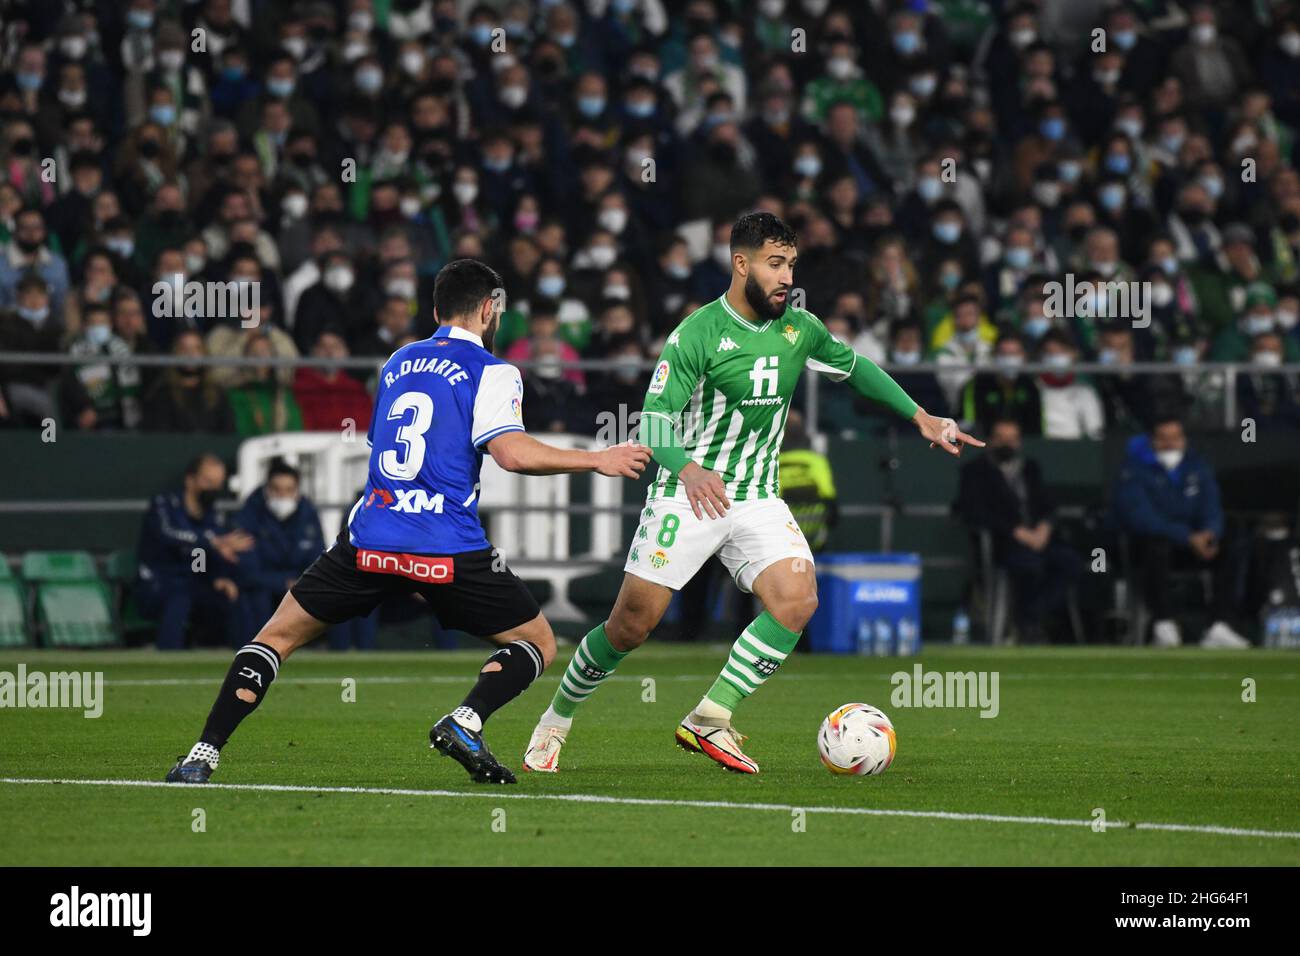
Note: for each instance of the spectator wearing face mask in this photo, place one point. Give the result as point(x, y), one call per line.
point(184, 398)
point(189, 558)
point(624, 386)
point(1002, 491)
point(906, 349)
point(1071, 407)
point(668, 283)
point(27, 326)
point(1211, 66)
point(1265, 393)
point(286, 533)
point(330, 398)
point(26, 253)
point(552, 393)
point(1008, 394)
point(100, 395)
point(334, 303)
point(965, 341)
point(261, 399)
point(1128, 398)
point(842, 82)
point(1167, 500)
point(1233, 343)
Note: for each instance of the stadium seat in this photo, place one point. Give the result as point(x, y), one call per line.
point(72, 606)
point(13, 614)
point(41, 566)
point(75, 614)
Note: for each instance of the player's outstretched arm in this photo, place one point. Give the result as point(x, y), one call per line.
point(943, 432)
point(521, 453)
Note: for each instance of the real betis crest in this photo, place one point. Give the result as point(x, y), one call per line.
point(790, 333)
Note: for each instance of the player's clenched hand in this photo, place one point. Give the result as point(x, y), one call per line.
point(623, 461)
point(705, 491)
point(943, 432)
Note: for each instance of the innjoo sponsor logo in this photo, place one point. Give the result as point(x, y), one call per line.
point(417, 567)
point(73, 690)
point(77, 909)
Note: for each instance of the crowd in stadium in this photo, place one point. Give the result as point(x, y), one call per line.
point(942, 160)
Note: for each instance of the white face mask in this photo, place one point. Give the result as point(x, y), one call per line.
point(602, 257)
point(1169, 460)
point(294, 205)
point(413, 62)
point(1204, 33)
point(281, 508)
point(514, 96)
point(840, 67)
point(615, 220)
point(339, 278)
point(465, 193)
point(1268, 359)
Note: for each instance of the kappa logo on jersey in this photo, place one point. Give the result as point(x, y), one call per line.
point(727, 344)
point(659, 381)
point(675, 338)
point(411, 501)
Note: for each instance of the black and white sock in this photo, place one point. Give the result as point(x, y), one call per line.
point(520, 664)
point(249, 678)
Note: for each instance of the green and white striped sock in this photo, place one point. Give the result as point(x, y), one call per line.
point(755, 657)
point(593, 662)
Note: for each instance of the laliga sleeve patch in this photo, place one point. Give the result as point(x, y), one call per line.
point(659, 381)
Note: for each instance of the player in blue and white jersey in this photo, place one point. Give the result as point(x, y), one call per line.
point(441, 403)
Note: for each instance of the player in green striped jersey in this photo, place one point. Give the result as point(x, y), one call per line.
point(714, 417)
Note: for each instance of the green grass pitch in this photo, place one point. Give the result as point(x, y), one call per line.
point(1145, 737)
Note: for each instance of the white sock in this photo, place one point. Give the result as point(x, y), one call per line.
point(468, 718)
point(552, 719)
point(713, 711)
point(206, 753)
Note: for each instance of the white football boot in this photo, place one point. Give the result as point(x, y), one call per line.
point(543, 753)
point(718, 741)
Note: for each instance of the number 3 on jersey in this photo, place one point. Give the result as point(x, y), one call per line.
point(406, 465)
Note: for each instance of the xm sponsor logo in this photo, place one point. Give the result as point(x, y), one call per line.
point(77, 909)
point(70, 690)
point(1098, 300)
point(920, 688)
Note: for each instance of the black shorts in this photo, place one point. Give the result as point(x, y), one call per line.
point(473, 591)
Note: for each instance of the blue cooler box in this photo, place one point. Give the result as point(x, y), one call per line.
point(868, 604)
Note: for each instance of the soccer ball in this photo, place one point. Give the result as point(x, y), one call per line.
point(857, 739)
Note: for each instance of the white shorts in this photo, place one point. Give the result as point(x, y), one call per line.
point(671, 544)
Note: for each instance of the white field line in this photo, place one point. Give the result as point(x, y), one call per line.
point(499, 794)
point(461, 678)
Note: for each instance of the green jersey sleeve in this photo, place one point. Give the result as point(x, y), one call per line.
point(838, 362)
point(672, 383)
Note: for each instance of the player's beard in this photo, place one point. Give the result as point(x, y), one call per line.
point(759, 301)
point(490, 332)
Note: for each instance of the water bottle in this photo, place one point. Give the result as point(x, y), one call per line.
point(884, 643)
point(961, 627)
point(908, 634)
point(864, 637)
